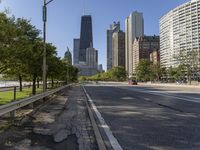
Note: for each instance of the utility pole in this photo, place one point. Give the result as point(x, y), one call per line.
point(44, 40)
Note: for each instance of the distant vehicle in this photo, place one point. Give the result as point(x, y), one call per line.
point(132, 82)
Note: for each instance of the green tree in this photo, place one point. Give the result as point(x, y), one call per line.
point(7, 37)
point(118, 73)
point(155, 72)
point(190, 62)
point(143, 70)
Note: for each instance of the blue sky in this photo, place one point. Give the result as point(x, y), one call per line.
point(64, 16)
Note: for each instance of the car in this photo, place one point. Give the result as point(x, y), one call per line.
point(132, 82)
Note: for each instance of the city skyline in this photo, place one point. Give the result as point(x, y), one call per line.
point(61, 31)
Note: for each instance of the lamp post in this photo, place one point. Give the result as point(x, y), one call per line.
point(44, 40)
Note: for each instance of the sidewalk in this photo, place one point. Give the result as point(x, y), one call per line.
point(62, 124)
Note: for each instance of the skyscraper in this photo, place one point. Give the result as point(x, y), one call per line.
point(86, 38)
point(76, 51)
point(88, 55)
point(118, 49)
point(113, 28)
point(91, 58)
point(134, 27)
point(179, 36)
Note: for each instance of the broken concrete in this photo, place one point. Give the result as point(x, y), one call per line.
point(62, 123)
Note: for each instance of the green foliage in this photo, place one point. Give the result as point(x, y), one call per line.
point(21, 50)
point(177, 73)
point(82, 78)
point(189, 62)
point(147, 71)
point(114, 74)
point(143, 70)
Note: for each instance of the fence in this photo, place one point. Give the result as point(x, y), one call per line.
point(14, 105)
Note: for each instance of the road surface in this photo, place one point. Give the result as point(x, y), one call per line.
point(148, 118)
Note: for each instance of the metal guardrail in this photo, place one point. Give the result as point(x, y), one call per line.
point(4, 109)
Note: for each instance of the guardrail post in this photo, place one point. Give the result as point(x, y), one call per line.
point(12, 113)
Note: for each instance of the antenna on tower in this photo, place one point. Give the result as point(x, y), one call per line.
point(86, 10)
point(84, 7)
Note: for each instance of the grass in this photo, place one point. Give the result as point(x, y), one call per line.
point(7, 96)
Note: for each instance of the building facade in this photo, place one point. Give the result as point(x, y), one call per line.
point(155, 57)
point(142, 47)
point(118, 49)
point(86, 37)
point(115, 27)
point(68, 57)
point(76, 44)
point(100, 68)
point(90, 67)
point(134, 27)
point(88, 56)
point(180, 35)
point(91, 57)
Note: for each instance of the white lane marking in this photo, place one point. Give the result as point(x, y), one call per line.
point(175, 92)
point(180, 98)
point(147, 99)
point(163, 94)
point(114, 143)
point(127, 98)
point(117, 107)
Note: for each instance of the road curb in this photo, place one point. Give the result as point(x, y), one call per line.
point(99, 139)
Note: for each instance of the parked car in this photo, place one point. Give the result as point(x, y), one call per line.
point(132, 82)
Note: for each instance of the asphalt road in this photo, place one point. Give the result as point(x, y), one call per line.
point(147, 118)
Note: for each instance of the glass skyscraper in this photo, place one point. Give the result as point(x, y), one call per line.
point(86, 38)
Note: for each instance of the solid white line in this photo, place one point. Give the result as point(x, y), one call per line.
point(163, 94)
point(147, 99)
point(113, 141)
point(180, 98)
point(116, 107)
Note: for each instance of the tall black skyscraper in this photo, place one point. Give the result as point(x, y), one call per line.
point(86, 38)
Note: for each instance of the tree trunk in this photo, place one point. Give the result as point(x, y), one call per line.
point(38, 83)
point(46, 83)
point(20, 83)
point(190, 80)
point(34, 85)
point(52, 82)
point(189, 75)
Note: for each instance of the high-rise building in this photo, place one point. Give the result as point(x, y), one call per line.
point(76, 51)
point(86, 37)
point(100, 68)
point(90, 67)
point(118, 49)
point(134, 27)
point(155, 57)
point(91, 58)
point(115, 27)
point(179, 35)
point(88, 55)
point(68, 57)
point(142, 47)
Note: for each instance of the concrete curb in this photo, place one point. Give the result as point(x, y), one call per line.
point(100, 142)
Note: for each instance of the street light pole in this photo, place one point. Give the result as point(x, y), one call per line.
point(44, 40)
